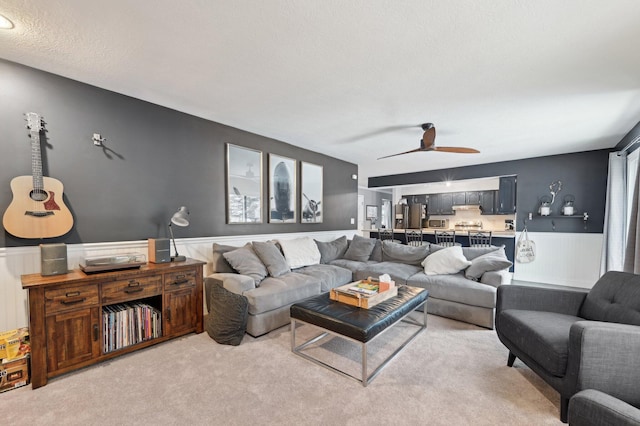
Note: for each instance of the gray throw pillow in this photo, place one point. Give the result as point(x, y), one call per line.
point(376, 254)
point(472, 252)
point(245, 261)
point(219, 263)
point(360, 249)
point(332, 250)
point(400, 253)
point(228, 314)
point(492, 261)
point(272, 258)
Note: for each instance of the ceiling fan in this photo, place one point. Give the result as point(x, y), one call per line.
point(427, 144)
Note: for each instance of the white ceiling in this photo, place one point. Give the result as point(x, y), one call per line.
point(354, 79)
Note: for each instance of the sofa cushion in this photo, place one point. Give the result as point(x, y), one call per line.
point(300, 252)
point(271, 257)
point(449, 260)
point(360, 249)
point(330, 276)
point(455, 288)
point(615, 297)
point(245, 261)
point(332, 250)
point(274, 293)
point(543, 336)
point(352, 265)
point(228, 313)
point(399, 272)
point(489, 262)
point(400, 253)
point(219, 263)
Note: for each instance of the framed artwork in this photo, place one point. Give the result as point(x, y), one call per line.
point(311, 181)
point(282, 189)
point(372, 212)
point(244, 185)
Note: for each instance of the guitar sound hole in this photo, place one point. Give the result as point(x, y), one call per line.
point(38, 195)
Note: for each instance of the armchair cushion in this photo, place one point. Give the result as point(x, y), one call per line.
point(541, 335)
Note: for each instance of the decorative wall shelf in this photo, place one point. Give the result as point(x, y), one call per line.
point(584, 216)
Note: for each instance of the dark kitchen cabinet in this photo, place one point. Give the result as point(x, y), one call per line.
point(507, 195)
point(440, 204)
point(472, 197)
point(487, 201)
point(459, 198)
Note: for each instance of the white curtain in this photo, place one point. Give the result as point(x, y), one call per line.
point(632, 252)
point(615, 216)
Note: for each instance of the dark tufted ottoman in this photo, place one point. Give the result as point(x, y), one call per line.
point(357, 324)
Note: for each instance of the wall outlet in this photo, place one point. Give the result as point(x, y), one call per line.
point(353, 221)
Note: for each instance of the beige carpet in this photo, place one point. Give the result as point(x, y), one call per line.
point(451, 374)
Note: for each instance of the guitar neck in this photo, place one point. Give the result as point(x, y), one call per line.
point(36, 160)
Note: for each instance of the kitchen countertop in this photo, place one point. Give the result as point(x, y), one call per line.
point(496, 233)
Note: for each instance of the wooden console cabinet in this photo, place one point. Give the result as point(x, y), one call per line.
point(65, 312)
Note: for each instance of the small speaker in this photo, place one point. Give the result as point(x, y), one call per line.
point(53, 259)
point(159, 250)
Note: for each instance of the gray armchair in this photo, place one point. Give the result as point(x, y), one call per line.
point(594, 408)
point(576, 339)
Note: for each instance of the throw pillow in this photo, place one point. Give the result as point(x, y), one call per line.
point(449, 260)
point(472, 252)
point(360, 249)
point(400, 253)
point(245, 261)
point(228, 314)
point(272, 258)
point(332, 250)
point(492, 261)
point(219, 263)
point(376, 254)
point(300, 252)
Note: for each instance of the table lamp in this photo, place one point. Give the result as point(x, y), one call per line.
point(179, 218)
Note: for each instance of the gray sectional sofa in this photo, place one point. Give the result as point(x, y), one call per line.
point(270, 276)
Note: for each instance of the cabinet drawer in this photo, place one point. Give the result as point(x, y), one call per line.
point(132, 289)
point(69, 298)
point(178, 280)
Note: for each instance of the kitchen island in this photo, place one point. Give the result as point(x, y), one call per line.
point(499, 237)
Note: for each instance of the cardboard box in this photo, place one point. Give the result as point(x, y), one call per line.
point(15, 359)
point(14, 373)
point(14, 344)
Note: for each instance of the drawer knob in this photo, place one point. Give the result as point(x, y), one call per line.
point(133, 290)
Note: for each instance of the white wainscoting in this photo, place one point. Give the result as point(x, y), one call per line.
point(563, 259)
point(17, 261)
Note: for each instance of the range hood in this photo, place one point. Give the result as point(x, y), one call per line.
point(467, 207)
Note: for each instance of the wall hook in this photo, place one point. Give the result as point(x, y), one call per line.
point(98, 140)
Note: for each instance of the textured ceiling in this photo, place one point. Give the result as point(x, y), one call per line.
point(354, 78)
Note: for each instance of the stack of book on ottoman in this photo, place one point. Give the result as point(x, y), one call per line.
point(365, 293)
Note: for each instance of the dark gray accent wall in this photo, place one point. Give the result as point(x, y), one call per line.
point(583, 175)
point(155, 160)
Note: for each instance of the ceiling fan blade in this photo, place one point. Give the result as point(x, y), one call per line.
point(457, 150)
point(402, 153)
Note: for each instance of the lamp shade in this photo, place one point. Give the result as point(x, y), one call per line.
point(181, 217)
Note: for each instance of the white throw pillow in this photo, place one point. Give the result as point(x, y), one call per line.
point(449, 260)
point(300, 252)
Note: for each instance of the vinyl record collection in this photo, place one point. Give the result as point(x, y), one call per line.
point(126, 324)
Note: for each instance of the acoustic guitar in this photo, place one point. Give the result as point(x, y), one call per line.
point(37, 209)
